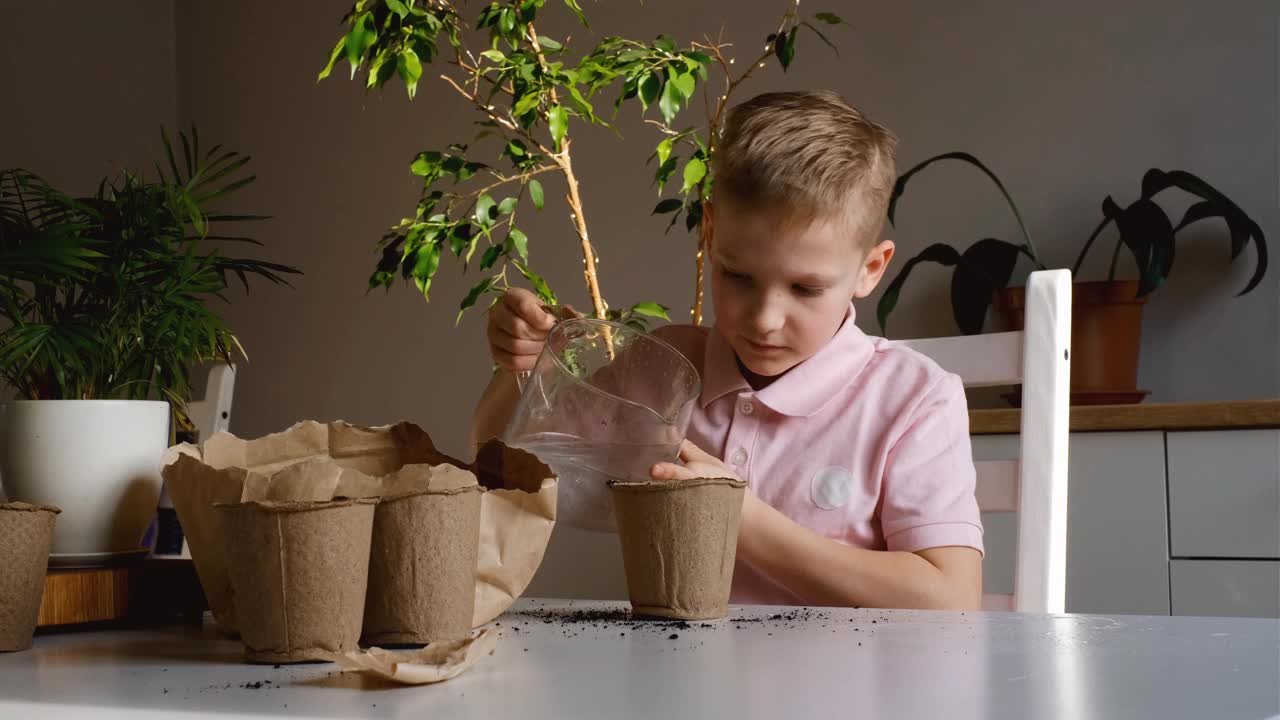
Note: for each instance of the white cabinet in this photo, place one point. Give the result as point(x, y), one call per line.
point(1117, 544)
point(1249, 588)
point(1224, 494)
point(1209, 545)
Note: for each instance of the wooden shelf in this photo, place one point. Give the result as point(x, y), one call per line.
point(1170, 416)
point(151, 591)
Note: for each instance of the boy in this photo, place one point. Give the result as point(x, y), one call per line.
point(855, 450)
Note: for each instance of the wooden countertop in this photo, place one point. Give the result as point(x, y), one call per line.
point(1169, 416)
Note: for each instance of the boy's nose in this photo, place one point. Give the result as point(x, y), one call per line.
point(768, 315)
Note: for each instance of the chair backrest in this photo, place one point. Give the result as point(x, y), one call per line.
point(213, 413)
point(1035, 486)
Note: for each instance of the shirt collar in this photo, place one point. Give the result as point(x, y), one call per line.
point(807, 387)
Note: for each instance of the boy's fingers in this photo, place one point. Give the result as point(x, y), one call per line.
point(514, 345)
point(526, 306)
point(670, 471)
point(692, 453)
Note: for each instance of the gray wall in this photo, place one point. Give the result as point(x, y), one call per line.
point(1068, 102)
point(85, 87)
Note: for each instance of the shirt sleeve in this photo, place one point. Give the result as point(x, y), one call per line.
point(928, 495)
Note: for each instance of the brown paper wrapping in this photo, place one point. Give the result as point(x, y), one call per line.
point(298, 572)
point(26, 532)
point(422, 568)
point(318, 462)
point(679, 541)
point(437, 663)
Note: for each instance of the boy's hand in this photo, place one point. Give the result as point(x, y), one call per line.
point(697, 464)
point(518, 327)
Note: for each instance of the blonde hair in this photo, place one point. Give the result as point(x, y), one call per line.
point(811, 155)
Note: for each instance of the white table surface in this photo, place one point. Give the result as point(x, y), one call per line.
point(832, 663)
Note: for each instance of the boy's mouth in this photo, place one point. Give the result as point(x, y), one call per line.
point(763, 348)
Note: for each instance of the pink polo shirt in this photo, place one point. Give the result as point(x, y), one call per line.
point(866, 443)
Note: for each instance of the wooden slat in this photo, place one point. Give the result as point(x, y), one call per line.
point(88, 595)
point(987, 360)
point(1170, 416)
point(997, 489)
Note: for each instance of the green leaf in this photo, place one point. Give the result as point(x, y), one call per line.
point(480, 288)
point(665, 170)
point(666, 206)
point(665, 44)
point(535, 192)
point(784, 47)
point(669, 104)
point(494, 55)
point(333, 58)
point(648, 86)
point(519, 242)
point(936, 253)
point(547, 43)
point(558, 120)
point(664, 150)
point(398, 7)
point(651, 309)
point(1243, 228)
point(410, 68)
point(1148, 233)
point(694, 171)
point(829, 18)
point(424, 268)
point(540, 286)
point(491, 256)
point(983, 269)
point(359, 39)
point(822, 37)
point(526, 103)
point(426, 164)
point(577, 10)
point(507, 206)
point(484, 211)
point(685, 83)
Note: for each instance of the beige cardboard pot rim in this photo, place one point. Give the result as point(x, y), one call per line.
point(314, 461)
point(16, 506)
point(294, 506)
point(669, 485)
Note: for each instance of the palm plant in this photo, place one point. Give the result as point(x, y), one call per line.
point(104, 297)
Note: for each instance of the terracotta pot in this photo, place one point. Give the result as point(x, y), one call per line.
point(1106, 329)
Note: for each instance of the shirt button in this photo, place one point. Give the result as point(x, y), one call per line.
point(748, 407)
point(739, 457)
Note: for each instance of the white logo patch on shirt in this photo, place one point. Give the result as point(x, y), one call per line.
point(830, 487)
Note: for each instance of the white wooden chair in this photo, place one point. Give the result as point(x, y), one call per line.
point(1035, 486)
point(213, 413)
point(210, 414)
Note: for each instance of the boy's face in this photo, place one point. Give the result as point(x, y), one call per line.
point(781, 290)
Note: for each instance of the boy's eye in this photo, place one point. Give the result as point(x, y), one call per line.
point(734, 275)
point(808, 291)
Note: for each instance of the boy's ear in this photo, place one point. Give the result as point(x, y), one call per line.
point(874, 264)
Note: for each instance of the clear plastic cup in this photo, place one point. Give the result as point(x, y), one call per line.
point(604, 402)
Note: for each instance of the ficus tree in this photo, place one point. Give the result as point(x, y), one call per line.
point(529, 91)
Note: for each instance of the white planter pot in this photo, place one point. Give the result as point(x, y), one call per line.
point(98, 460)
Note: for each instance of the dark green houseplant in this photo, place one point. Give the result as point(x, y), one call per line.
point(106, 303)
point(1107, 313)
point(106, 297)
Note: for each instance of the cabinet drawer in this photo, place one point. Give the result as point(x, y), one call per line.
point(1241, 588)
point(1224, 494)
